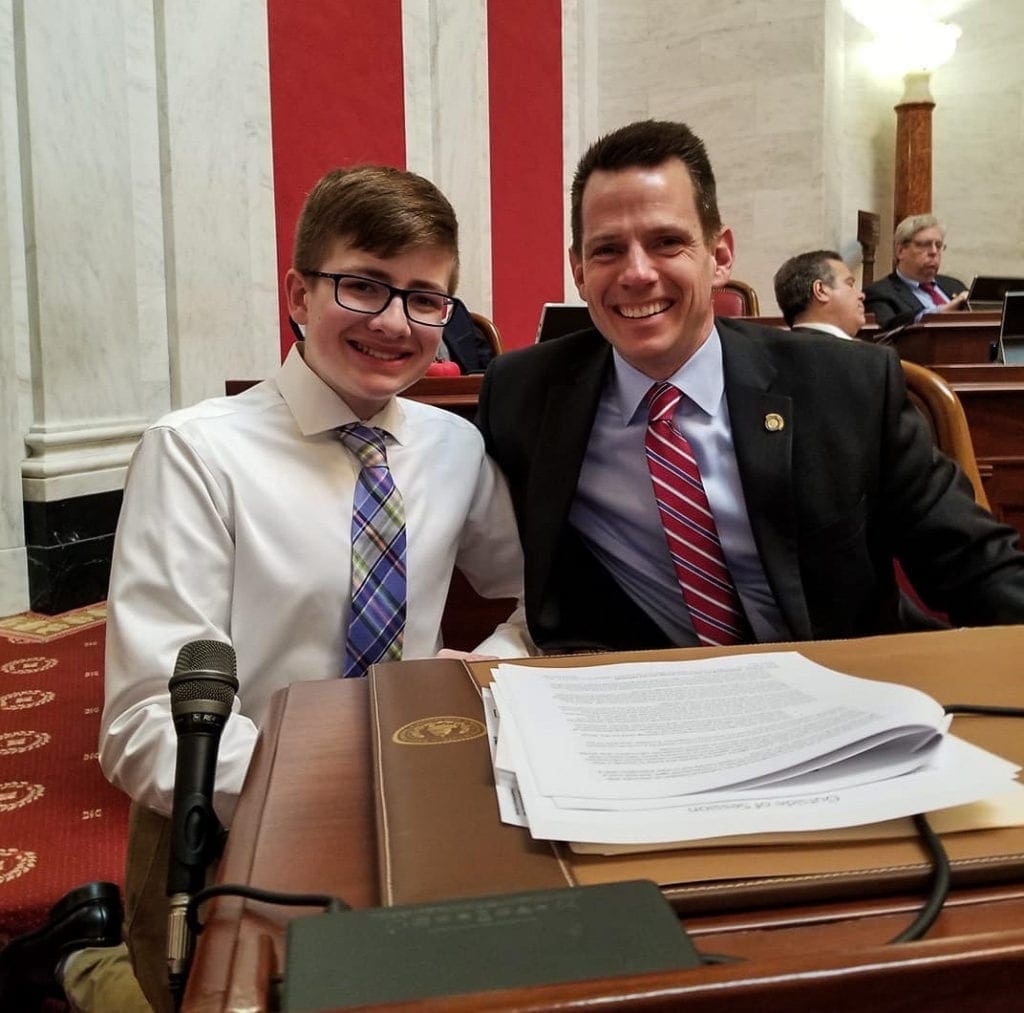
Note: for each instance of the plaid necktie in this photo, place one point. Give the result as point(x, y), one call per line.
point(690, 530)
point(377, 620)
point(933, 292)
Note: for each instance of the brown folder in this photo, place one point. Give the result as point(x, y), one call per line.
point(439, 834)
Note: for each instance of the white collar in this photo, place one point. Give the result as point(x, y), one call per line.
point(318, 409)
point(826, 329)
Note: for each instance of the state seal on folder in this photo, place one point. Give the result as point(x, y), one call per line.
point(438, 731)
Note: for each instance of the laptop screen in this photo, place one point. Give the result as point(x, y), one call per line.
point(1011, 329)
point(990, 289)
point(558, 319)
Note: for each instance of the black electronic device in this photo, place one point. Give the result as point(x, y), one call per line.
point(987, 291)
point(558, 319)
point(1010, 348)
point(476, 944)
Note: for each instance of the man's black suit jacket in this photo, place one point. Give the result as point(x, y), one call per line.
point(850, 481)
point(893, 301)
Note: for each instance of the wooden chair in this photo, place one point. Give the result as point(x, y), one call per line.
point(735, 299)
point(940, 406)
point(487, 328)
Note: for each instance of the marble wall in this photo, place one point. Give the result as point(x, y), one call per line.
point(13, 326)
point(137, 269)
point(800, 127)
point(446, 123)
point(978, 142)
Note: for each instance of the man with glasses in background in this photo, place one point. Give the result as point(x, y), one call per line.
point(915, 287)
point(312, 522)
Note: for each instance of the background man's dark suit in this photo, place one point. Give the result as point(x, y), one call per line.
point(852, 473)
point(465, 343)
point(893, 301)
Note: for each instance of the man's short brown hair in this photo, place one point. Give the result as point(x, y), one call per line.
point(794, 281)
point(645, 145)
point(376, 208)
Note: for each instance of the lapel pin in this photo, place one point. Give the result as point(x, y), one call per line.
point(774, 422)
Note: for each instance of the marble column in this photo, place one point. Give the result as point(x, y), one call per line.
point(13, 325)
point(138, 253)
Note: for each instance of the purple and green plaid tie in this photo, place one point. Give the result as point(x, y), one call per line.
point(377, 620)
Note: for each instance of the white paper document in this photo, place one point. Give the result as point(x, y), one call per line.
point(646, 753)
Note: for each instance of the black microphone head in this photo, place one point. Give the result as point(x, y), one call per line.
point(204, 678)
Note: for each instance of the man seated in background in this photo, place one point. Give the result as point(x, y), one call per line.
point(915, 287)
point(681, 479)
point(312, 522)
point(816, 291)
point(465, 344)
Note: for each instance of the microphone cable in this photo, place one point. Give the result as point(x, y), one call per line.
point(322, 900)
point(940, 859)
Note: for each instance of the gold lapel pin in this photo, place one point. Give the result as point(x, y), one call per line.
point(774, 422)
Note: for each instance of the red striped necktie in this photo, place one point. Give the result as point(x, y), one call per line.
point(933, 292)
point(693, 542)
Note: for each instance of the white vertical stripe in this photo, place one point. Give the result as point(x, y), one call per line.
point(447, 130)
point(580, 88)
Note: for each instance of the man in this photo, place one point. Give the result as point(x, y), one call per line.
point(817, 292)
point(245, 519)
point(464, 343)
point(805, 469)
point(915, 287)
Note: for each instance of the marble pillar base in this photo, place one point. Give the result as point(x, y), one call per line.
point(69, 544)
point(13, 581)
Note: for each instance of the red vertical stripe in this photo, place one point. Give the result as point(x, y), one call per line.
point(336, 98)
point(524, 46)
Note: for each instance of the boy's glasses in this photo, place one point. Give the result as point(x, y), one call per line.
point(367, 295)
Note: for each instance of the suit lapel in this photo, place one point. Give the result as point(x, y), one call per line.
point(568, 417)
point(763, 422)
point(905, 293)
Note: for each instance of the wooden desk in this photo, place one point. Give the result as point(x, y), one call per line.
point(993, 399)
point(305, 823)
point(947, 338)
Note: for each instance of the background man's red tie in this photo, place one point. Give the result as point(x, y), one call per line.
point(693, 543)
point(933, 292)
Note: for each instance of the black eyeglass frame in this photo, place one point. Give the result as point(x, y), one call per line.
point(451, 301)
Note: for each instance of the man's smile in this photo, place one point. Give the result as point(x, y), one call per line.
point(647, 309)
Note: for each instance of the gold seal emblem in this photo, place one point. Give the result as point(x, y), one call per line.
point(14, 863)
point(15, 794)
point(27, 666)
point(440, 731)
point(12, 743)
point(774, 422)
point(22, 699)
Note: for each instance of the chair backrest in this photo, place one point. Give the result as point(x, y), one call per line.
point(487, 328)
point(940, 406)
point(735, 299)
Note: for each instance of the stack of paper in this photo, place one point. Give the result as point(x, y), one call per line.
point(657, 752)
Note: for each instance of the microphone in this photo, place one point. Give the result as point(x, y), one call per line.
point(202, 689)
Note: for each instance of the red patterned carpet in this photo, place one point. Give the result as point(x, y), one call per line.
point(61, 823)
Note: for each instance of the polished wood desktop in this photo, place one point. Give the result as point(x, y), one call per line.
point(305, 823)
point(945, 338)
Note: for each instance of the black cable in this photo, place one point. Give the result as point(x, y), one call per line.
point(991, 710)
point(940, 860)
point(940, 884)
point(323, 900)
